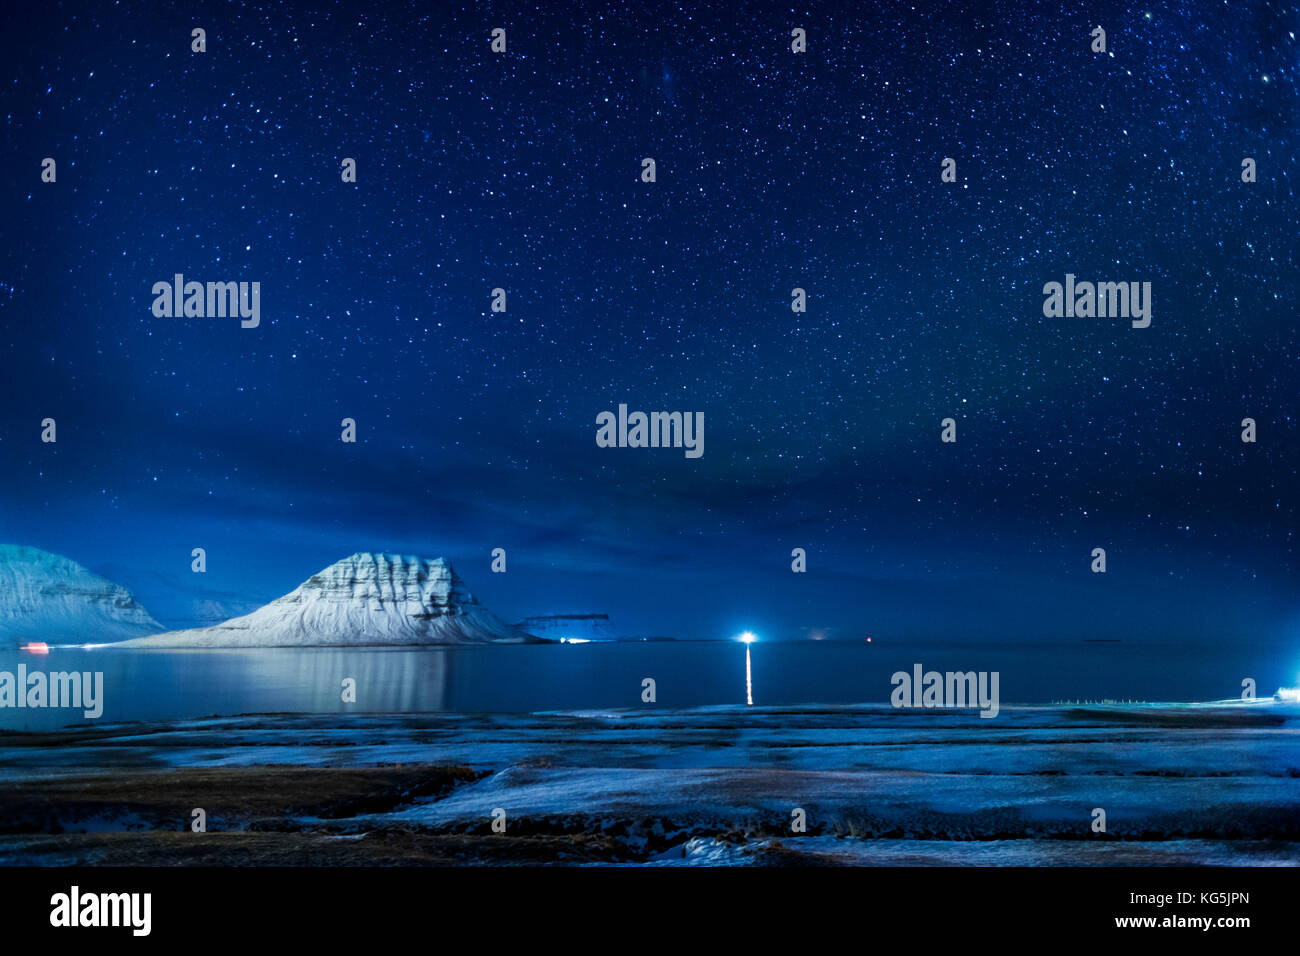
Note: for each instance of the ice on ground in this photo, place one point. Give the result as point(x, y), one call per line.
point(1187, 784)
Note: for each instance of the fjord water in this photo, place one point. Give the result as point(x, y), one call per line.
point(142, 684)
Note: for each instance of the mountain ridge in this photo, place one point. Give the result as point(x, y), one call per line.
point(365, 599)
point(51, 598)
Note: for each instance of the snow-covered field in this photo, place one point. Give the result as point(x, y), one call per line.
point(1177, 783)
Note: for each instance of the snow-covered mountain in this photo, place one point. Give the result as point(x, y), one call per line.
point(47, 597)
point(363, 599)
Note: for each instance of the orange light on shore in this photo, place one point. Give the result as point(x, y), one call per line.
point(35, 647)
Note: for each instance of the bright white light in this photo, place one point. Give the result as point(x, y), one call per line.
point(748, 637)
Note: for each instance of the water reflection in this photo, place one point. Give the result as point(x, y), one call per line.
point(163, 684)
point(145, 684)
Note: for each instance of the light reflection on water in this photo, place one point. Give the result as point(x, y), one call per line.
point(174, 684)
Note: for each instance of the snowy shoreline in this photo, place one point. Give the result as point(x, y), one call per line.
point(1185, 784)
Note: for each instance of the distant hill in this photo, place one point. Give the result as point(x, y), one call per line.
point(564, 627)
point(47, 597)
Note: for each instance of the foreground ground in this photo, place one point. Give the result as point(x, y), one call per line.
point(877, 786)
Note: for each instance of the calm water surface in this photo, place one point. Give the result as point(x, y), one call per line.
point(172, 684)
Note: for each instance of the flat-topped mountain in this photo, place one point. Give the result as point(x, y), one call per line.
point(570, 627)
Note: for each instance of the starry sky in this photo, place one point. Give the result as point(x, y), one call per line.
point(775, 170)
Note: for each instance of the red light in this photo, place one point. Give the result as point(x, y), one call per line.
point(35, 647)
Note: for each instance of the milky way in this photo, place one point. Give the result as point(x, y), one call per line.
point(775, 170)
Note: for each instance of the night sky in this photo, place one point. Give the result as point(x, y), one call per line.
point(775, 170)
